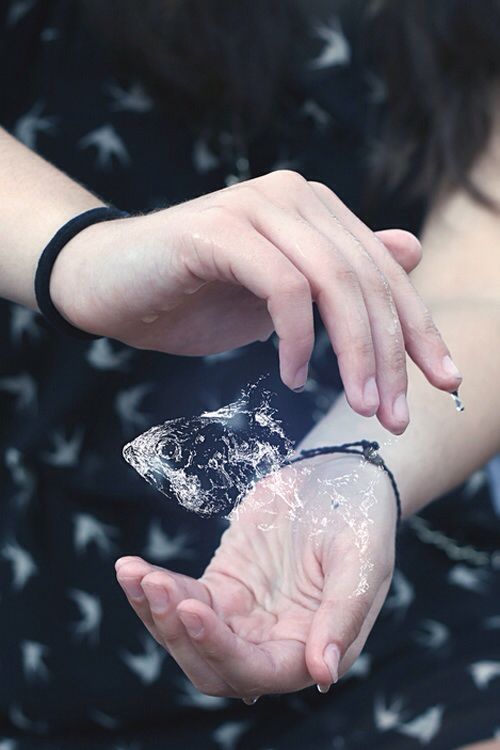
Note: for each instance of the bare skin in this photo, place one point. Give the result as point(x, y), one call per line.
point(227, 269)
point(459, 278)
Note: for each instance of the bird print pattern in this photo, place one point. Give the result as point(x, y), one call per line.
point(81, 671)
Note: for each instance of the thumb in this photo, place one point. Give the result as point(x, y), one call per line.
point(404, 247)
point(342, 622)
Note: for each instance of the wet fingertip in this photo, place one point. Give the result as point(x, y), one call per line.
point(331, 655)
point(450, 369)
point(323, 688)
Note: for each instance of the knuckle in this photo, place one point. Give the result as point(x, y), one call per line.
point(322, 188)
point(247, 191)
point(216, 214)
point(289, 179)
point(362, 347)
point(357, 349)
point(396, 359)
point(428, 326)
point(293, 285)
point(346, 275)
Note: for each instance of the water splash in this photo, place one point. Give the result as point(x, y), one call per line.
point(212, 462)
point(209, 462)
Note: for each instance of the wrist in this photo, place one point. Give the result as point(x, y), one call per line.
point(75, 275)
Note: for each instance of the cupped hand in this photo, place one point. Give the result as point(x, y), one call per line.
point(291, 593)
point(228, 268)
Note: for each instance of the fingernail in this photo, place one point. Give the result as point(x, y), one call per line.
point(300, 380)
point(192, 623)
point(450, 367)
point(323, 688)
point(157, 597)
point(370, 395)
point(400, 409)
point(331, 656)
point(132, 588)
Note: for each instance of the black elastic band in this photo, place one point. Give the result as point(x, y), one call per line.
point(368, 451)
point(49, 257)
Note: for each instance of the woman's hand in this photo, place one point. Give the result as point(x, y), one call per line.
point(293, 590)
point(230, 267)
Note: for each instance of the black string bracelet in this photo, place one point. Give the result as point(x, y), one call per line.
point(49, 257)
point(365, 448)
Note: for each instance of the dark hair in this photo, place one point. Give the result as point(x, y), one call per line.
point(440, 60)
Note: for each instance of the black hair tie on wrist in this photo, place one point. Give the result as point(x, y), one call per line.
point(49, 257)
point(365, 448)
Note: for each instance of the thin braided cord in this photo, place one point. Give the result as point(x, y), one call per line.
point(365, 448)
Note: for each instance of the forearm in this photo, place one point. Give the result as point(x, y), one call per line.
point(36, 199)
point(440, 447)
point(459, 279)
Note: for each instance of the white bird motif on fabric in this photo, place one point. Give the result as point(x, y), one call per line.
point(228, 734)
point(66, 449)
point(336, 50)
point(377, 88)
point(424, 727)
point(23, 387)
point(361, 667)
point(104, 720)
point(29, 126)
point(32, 658)
point(493, 474)
point(21, 721)
point(401, 594)
point(127, 406)
point(89, 530)
point(17, 11)
point(432, 634)
point(108, 145)
point(321, 118)
point(23, 477)
point(50, 34)
point(471, 579)
point(204, 160)
point(103, 356)
point(483, 672)
point(474, 483)
point(161, 546)
point(90, 611)
point(190, 696)
point(24, 324)
point(387, 715)
point(492, 623)
point(214, 359)
point(133, 99)
point(146, 665)
point(23, 564)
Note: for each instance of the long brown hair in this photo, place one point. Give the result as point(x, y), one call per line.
point(232, 60)
point(440, 61)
